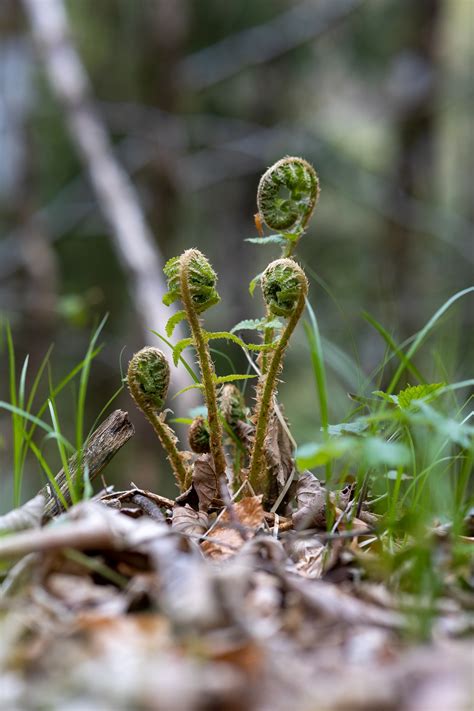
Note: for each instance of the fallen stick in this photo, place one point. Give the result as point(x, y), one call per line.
point(99, 449)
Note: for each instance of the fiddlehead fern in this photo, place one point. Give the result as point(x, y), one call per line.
point(148, 379)
point(284, 287)
point(198, 435)
point(200, 282)
point(287, 195)
point(232, 405)
point(192, 279)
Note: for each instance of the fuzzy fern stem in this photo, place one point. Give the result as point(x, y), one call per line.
point(148, 380)
point(285, 288)
point(189, 258)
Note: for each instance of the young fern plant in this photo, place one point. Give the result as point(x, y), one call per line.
point(285, 288)
point(192, 280)
point(148, 380)
point(198, 436)
point(286, 197)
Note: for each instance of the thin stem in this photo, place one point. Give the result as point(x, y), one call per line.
point(268, 337)
point(206, 367)
point(166, 437)
point(266, 387)
point(148, 379)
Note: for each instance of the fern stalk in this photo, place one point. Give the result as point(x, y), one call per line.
point(285, 287)
point(205, 363)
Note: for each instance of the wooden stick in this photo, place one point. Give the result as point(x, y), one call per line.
point(101, 446)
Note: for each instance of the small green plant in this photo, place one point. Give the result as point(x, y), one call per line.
point(398, 446)
point(148, 380)
point(284, 287)
point(28, 419)
point(286, 198)
point(192, 280)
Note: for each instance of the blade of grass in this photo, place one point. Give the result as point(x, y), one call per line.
point(31, 397)
point(58, 389)
point(104, 409)
point(421, 335)
point(16, 419)
point(355, 359)
point(181, 359)
point(31, 418)
point(62, 451)
point(317, 361)
point(49, 474)
point(83, 381)
point(393, 346)
point(233, 369)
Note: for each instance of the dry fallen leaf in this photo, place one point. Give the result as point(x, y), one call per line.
point(187, 520)
point(205, 481)
point(279, 457)
point(312, 502)
point(234, 529)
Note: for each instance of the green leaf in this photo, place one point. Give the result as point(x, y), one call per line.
point(392, 399)
point(173, 322)
point(179, 348)
point(356, 427)
point(170, 297)
point(230, 378)
point(411, 393)
point(256, 324)
point(316, 454)
point(194, 386)
point(457, 432)
point(292, 236)
point(254, 282)
point(372, 450)
point(271, 239)
point(227, 335)
point(181, 359)
point(378, 451)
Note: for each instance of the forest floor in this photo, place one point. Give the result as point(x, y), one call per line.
point(135, 601)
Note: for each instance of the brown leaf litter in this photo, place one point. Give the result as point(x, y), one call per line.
point(107, 611)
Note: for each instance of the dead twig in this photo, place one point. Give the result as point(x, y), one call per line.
point(148, 507)
point(99, 449)
point(122, 496)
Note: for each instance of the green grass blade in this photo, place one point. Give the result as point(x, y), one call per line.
point(104, 409)
point(317, 360)
point(17, 420)
point(225, 357)
point(62, 451)
point(83, 381)
point(49, 474)
point(393, 346)
point(181, 359)
point(421, 335)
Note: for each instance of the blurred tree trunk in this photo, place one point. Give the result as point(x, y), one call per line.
point(29, 298)
point(414, 87)
point(164, 35)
